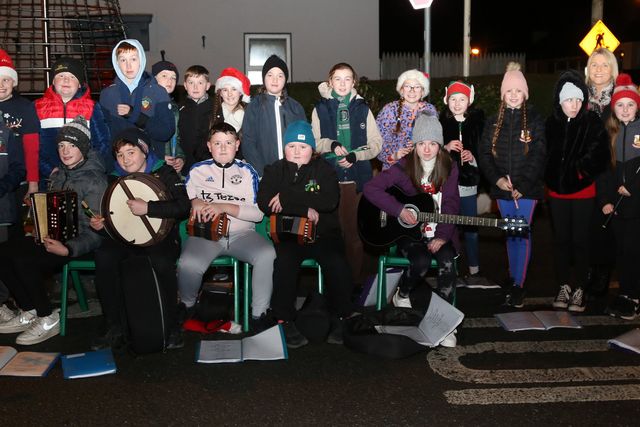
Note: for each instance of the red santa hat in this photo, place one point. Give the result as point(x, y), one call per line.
point(625, 88)
point(7, 68)
point(234, 78)
point(459, 87)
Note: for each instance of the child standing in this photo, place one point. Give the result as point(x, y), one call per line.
point(619, 194)
point(512, 156)
point(68, 97)
point(24, 265)
point(268, 115)
point(462, 129)
point(577, 152)
point(396, 119)
point(344, 125)
point(232, 97)
point(195, 114)
point(166, 74)
point(135, 99)
point(19, 115)
point(427, 169)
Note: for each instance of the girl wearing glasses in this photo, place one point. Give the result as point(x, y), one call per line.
point(396, 119)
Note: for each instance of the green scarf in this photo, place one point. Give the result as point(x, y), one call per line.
point(342, 116)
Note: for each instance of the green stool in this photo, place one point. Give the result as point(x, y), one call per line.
point(73, 267)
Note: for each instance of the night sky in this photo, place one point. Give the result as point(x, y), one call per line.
point(541, 29)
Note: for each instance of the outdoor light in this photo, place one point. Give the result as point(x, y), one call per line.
point(475, 51)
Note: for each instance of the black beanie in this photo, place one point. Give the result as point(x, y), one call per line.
point(275, 61)
point(164, 65)
point(78, 133)
point(69, 65)
point(135, 137)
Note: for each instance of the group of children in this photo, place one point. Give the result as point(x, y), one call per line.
point(247, 158)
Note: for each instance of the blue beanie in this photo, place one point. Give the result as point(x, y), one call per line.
point(300, 131)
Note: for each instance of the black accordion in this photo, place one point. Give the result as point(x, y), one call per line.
point(54, 215)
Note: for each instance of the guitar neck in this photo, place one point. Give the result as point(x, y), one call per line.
point(457, 219)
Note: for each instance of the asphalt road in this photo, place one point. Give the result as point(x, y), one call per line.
point(493, 377)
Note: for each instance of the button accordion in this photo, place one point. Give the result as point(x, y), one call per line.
point(54, 215)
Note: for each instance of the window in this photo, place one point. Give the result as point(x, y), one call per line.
point(259, 47)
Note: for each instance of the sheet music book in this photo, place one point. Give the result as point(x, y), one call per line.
point(628, 341)
point(89, 364)
point(440, 320)
point(25, 363)
point(267, 345)
point(537, 320)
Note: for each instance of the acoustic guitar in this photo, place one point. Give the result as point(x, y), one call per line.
point(377, 228)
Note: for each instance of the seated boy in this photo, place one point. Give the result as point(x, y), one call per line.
point(132, 152)
point(195, 115)
point(24, 265)
point(225, 185)
point(136, 99)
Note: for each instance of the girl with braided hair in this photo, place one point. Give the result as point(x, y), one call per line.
point(512, 156)
point(396, 119)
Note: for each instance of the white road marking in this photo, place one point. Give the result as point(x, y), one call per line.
point(492, 322)
point(501, 396)
point(446, 362)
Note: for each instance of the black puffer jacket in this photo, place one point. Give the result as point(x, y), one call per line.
point(578, 148)
point(314, 185)
point(524, 167)
point(471, 130)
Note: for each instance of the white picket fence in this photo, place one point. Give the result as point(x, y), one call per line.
point(392, 64)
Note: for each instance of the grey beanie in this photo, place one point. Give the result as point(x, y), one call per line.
point(568, 91)
point(77, 132)
point(427, 128)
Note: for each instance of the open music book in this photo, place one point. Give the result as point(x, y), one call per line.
point(537, 320)
point(267, 345)
point(440, 320)
point(628, 341)
point(25, 363)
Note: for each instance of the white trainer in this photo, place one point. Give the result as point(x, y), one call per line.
point(6, 313)
point(40, 330)
point(400, 301)
point(19, 322)
point(450, 340)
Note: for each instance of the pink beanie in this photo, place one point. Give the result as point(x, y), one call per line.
point(514, 79)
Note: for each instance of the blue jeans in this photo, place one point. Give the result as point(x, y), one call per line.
point(469, 207)
point(518, 248)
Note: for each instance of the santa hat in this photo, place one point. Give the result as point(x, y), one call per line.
point(234, 78)
point(419, 76)
point(459, 87)
point(625, 88)
point(7, 68)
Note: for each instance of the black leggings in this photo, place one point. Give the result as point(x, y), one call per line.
point(420, 262)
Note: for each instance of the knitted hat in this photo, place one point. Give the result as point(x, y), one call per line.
point(164, 65)
point(569, 91)
point(514, 79)
point(77, 132)
point(275, 61)
point(135, 137)
point(459, 87)
point(300, 131)
point(235, 78)
point(419, 76)
point(427, 128)
point(7, 68)
point(69, 65)
point(625, 88)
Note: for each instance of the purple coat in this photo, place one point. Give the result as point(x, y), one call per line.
point(375, 192)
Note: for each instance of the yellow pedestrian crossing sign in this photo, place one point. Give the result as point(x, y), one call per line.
point(599, 36)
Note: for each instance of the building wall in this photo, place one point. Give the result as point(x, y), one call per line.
point(323, 32)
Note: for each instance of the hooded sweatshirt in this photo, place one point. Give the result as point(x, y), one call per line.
point(151, 109)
